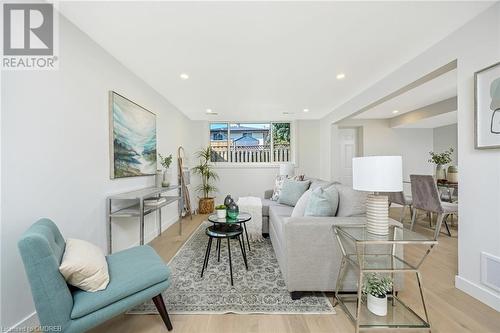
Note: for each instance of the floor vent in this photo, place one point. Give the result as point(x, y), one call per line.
point(490, 271)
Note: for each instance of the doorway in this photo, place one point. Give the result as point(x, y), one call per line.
point(348, 148)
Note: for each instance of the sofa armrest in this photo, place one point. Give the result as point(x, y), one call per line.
point(313, 255)
point(268, 194)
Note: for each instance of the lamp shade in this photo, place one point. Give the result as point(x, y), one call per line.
point(377, 173)
point(287, 169)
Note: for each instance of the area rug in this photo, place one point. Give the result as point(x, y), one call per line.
point(261, 289)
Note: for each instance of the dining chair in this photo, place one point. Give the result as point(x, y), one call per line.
point(426, 196)
point(401, 199)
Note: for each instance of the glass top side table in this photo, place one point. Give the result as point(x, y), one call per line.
point(370, 253)
point(242, 219)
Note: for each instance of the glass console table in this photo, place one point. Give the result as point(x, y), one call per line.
point(131, 204)
point(369, 253)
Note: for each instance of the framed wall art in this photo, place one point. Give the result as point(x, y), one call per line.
point(487, 107)
point(132, 138)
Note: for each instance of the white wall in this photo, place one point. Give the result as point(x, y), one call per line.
point(308, 148)
point(379, 138)
point(476, 45)
point(252, 180)
point(55, 155)
point(446, 137)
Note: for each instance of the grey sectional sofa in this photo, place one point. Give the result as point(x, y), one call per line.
point(307, 251)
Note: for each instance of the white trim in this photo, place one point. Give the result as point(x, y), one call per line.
point(30, 321)
point(484, 295)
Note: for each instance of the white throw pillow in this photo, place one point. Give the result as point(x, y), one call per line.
point(300, 206)
point(84, 266)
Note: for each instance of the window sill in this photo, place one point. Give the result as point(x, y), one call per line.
point(255, 165)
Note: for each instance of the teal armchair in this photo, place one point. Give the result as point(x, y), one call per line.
point(136, 275)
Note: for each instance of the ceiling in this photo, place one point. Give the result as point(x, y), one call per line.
point(257, 60)
point(430, 92)
point(439, 120)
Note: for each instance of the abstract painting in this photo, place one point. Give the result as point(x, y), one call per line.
point(487, 107)
point(132, 138)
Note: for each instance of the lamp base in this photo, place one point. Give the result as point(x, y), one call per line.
point(377, 214)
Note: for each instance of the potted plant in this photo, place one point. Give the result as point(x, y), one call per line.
point(221, 211)
point(165, 163)
point(206, 171)
point(376, 288)
point(440, 160)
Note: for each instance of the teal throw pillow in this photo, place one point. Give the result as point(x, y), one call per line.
point(322, 202)
point(292, 190)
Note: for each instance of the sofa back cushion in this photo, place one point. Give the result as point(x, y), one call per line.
point(292, 190)
point(315, 183)
point(300, 206)
point(322, 202)
point(351, 202)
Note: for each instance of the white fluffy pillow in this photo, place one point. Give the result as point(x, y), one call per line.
point(84, 266)
point(300, 206)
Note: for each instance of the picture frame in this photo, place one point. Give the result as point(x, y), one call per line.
point(132, 138)
point(487, 107)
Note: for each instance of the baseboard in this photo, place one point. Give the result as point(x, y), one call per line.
point(479, 292)
point(26, 324)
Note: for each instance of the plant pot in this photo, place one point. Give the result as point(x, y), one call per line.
point(377, 305)
point(158, 178)
point(206, 205)
point(221, 213)
point(452, 175)
point(167, 175)
point(440, 172)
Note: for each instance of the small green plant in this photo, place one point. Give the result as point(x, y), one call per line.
point(165, 161)
point(377, 285)
point(206, 171)
point(221, 207)
point(441, 158)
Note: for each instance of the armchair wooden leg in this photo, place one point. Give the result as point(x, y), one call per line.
point(162, 310)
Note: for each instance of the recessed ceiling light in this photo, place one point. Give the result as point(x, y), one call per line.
point(340, 76)
point(184, 76)
point(209, 111)
point(395, 111)
point(306, 110)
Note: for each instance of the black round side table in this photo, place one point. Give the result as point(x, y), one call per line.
point(221, 231)
point(242, 219)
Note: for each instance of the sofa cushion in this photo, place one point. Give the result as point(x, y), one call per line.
point(351, 202)
point(124, 268)
point(266, 203)
point(323, 202)
point(300, 206)
point(316, 183)
point(277, 215)
point(292, 191)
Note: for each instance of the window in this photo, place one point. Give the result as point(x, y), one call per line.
point(250, 142)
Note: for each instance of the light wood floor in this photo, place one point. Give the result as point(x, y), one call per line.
point(450, 310)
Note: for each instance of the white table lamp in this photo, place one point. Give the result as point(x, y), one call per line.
point(377, 174)
point(287, 169)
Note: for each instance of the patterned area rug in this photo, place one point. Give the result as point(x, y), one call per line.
point(261, 289)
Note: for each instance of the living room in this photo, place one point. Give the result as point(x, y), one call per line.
point(256, 101)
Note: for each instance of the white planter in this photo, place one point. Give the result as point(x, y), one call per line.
point(221, 213)
point(167, 176)
point(377, 305)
